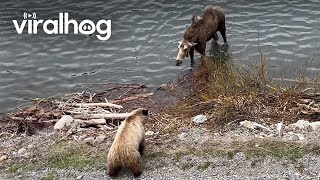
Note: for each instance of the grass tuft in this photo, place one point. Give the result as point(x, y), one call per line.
point(229, 92)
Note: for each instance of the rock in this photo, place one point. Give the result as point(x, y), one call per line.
point(300, 124)
point(271, 135)
point(199, 119)
point(165, 87)
point(3, 157)
point(149, 133)
point(294, 137)
point(253, 125)
point(79, 177)
point(259, 136)
point(182, 136)
point(30, 146)
point(89, 140)
point(22, 151)
point(240, 156)
point(63, 122)
point(315, 125)
point(280, 129)
point(300, 137)
point(82, 137)
point(99, 139)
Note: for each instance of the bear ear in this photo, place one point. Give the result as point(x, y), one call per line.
point(145, 112)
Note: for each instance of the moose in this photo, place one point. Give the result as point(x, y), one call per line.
point(202, 29)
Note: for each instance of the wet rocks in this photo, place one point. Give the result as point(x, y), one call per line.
point(63, 122)
point(199, 119)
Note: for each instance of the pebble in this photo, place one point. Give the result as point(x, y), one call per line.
point(82, 137)
point(30, 146)
point(149, 133)
point(182, 136)
point(22, 151)
point(89, 140)
point(199, 119)
point(3, 157)
point(294, 137)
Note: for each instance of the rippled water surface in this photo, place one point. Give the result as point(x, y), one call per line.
point(143, 44)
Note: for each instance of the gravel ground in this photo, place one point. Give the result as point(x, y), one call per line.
point(186, 166)
point(194, 167)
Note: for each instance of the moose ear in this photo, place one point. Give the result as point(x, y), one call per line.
point(194, 19)
point(192, 44)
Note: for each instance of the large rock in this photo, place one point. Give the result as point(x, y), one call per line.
point(280, 129)
point(65, 120)
point(99, 139)
point(199, 119)
point(315, 125)
point(300, 124)
point(253, 125)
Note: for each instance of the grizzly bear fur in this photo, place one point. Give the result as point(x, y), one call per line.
point(128, 145)
point(202, 29)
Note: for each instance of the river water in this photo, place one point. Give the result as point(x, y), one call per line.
point(143, 44)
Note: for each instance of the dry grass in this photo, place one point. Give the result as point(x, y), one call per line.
point(227, 93)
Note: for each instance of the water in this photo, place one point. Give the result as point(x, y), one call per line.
point(143, 45)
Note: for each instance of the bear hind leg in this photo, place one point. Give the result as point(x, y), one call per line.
point(113, 170)
point(136, 167)
point(142, 146)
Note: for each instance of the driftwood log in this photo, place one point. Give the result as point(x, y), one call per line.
point(111, 105)
point(102, 116)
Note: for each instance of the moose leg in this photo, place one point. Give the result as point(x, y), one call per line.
point(223, 32)
point(191, 53)
point(201, 48)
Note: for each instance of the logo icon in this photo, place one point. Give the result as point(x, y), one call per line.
point(61, 26)
point(27, 15)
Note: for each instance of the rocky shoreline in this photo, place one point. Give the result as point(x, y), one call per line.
point(191, 133)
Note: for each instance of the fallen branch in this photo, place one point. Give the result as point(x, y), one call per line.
point(132, 98)
point(102, 116)
point(91, 122)
point(97, 105)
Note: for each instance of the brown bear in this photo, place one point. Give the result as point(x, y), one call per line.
point(202, 29)
point(128, 145)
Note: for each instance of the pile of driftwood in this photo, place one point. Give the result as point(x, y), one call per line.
point(87, 109)
point(89, 114)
